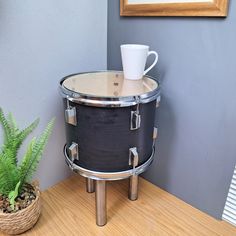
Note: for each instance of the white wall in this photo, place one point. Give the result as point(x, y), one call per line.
point(40, 42)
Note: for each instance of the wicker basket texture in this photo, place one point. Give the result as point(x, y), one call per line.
point(23, 220)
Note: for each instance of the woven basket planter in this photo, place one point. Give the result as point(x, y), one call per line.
point(23, 220)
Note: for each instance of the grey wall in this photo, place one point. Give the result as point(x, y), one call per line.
point(40, 42)
point(196, 151)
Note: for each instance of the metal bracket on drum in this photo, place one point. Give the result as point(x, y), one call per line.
point(155, 134)
point(158, 101)
point(135, 120)
point(74, 151)
point(70, 114)
point(133, 157)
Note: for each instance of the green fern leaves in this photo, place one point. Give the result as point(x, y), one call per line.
point(12, 174)
point(34, 152)
point(8, 174)
point(13, 136)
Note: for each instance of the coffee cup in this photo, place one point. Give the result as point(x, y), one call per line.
point(134, 58)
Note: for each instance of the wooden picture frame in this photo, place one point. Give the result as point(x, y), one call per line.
point(211, 8)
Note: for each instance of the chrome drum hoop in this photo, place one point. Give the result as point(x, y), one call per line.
point(125, 101)
point(97, 175)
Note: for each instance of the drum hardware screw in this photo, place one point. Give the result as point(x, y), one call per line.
point(74, 151)
point(133, 180)
point(75, 95)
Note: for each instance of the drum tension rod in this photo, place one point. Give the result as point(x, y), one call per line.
point(133, 157)
point(158, 100)
point(155, 134)
point(135, 120)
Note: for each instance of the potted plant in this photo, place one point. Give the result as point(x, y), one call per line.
point(19, 198)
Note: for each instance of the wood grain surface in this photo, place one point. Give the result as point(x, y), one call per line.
point(217, 8)
point(69, 210)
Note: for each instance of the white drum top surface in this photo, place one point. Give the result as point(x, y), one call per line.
point(108, 84)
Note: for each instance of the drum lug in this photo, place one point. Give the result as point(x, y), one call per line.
point(155, 134)
point(74, 151)
point(135, 120)
point(70, 114)
point(133, 157)
point(158, 101)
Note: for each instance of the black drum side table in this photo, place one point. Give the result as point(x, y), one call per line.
point(109, 130)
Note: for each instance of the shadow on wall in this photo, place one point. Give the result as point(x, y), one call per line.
point(158, 172)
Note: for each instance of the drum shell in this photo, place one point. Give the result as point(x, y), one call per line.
point(104, 137)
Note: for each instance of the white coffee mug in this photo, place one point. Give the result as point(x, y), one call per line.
point(134, 58)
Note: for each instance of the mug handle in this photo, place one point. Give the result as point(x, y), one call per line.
point(153, 64)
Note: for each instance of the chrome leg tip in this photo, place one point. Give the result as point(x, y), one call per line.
point(133, 197)
point(90, 188)
point(100, 224)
